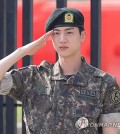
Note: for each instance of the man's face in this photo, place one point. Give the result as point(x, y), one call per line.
point(67, 41)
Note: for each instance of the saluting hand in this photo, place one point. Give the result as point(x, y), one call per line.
point(34, 46)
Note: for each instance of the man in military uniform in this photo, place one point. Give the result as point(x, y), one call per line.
point(69, 97)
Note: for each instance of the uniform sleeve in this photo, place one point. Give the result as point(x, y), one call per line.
point(111, 103)
point(22, 82)
point(6, 84)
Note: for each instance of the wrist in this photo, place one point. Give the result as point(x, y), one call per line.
point(21, 52)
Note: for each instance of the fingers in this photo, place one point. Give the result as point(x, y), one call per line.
point(46, 36)
point(42, 40)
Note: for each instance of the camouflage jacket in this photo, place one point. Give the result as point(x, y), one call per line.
point(55, 104)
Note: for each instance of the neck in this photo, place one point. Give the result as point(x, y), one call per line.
point(70, 65)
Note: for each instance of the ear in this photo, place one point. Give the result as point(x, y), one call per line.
point(83, 36)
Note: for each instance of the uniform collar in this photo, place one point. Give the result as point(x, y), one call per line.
point(57, 73)
point(77, 79)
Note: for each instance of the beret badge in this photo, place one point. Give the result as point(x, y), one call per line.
point(69, 18)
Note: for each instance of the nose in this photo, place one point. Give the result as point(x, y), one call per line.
point(62, 38)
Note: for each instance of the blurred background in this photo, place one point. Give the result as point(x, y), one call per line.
point(41, 9)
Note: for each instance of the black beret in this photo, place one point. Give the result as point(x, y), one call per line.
point(64, 17)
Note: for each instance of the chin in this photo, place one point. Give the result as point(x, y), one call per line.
point(64, 55)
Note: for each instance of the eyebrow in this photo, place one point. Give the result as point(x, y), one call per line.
point(65, 29)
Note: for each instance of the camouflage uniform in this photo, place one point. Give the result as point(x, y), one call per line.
point(53, 103)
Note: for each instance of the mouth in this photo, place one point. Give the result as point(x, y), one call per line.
point(63, 48)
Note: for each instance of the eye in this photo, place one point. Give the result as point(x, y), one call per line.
point(69, 33)
point(56, 33)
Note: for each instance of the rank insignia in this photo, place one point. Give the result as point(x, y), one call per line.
point(81, 123)
point(69, 18)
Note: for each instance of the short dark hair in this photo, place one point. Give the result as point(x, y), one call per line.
point(81, 28)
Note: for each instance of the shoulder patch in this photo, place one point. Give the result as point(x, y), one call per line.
point(115, 96)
